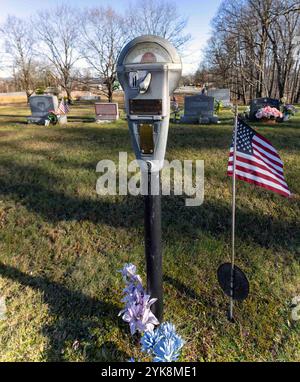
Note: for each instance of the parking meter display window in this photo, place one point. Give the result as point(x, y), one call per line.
point(145, 106)
point(148, 53)
point(146, 138)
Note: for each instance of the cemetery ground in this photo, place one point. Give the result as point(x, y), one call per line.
point(61, 245)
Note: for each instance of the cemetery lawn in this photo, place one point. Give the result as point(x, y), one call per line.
point(61, 246)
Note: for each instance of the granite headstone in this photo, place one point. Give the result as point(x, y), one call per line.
point(106, 111)
point(222, 95)
point(259, 103)
point(40, 106)
point(198, 109)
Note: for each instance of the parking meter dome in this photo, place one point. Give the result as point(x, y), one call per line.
point(150, 49)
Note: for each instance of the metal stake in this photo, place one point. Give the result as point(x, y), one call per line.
point(233, 217)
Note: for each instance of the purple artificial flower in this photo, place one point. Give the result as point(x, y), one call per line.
point(137, 303)
point(139, 315)
point(128, 271)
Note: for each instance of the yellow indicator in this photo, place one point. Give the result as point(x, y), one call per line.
point(146, 138)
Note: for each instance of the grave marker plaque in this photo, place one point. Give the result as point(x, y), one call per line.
point(106, 111)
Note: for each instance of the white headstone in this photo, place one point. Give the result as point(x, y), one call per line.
point(222, 95)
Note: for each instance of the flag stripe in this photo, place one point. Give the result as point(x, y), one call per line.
point(271, 157)
point(264, 140)
point(251, 181)
point(253, 169)
point(258, 155)
point(259, 181)
point(256, 162)
point(258, 138)
point(278, 170)
point(262, 174)
point(266, 149)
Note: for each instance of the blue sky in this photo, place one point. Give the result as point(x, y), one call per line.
point(199, 13)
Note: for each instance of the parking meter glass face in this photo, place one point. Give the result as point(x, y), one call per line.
point(147, 53)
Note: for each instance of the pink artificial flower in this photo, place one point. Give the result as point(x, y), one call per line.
point(268, 112)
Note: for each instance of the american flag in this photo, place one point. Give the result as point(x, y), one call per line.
point(63, 107)
point(257, 161)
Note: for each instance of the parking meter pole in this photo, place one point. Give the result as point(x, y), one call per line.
point(153, 250)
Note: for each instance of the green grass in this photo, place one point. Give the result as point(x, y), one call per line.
point(61, 246)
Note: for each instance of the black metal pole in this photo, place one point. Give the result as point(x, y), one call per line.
point(153, 243)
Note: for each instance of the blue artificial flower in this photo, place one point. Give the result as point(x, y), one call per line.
point(149, 340)
point(167, 329)
point(164, 343)
point(167, 349)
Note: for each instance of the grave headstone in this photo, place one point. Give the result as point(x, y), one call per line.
point(198, 109)
point(62, 119)
point(90, 98)
point(40, 106)
point(259, 103)
point(106, 111)
point(222, 95)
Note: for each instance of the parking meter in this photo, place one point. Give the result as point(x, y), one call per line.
point(149, 69)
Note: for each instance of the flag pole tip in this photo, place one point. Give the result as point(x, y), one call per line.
point(230, 319)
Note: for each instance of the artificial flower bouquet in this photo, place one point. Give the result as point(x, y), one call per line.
point(52, 118)
point(162, 343)
point(269, 113)
point(289, 110)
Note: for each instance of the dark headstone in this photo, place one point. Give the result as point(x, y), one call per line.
point(197, 108)
point(259, 103)
point(40, 106)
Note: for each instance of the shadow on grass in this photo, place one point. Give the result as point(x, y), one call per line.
point(182, 288)
point(75, 315)
point(39, 190)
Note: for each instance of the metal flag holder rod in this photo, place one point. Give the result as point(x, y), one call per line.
point(232, 279)
point(233, 216)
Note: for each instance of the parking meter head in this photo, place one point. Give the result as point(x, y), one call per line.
point(149, 69)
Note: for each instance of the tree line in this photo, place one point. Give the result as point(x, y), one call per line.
point(54, 45)
point(255, 49)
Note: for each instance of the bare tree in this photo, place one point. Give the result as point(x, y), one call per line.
point(103, 34)
point(159, 18)
point(19, 46)
point(57, 30)
point(253, 48)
